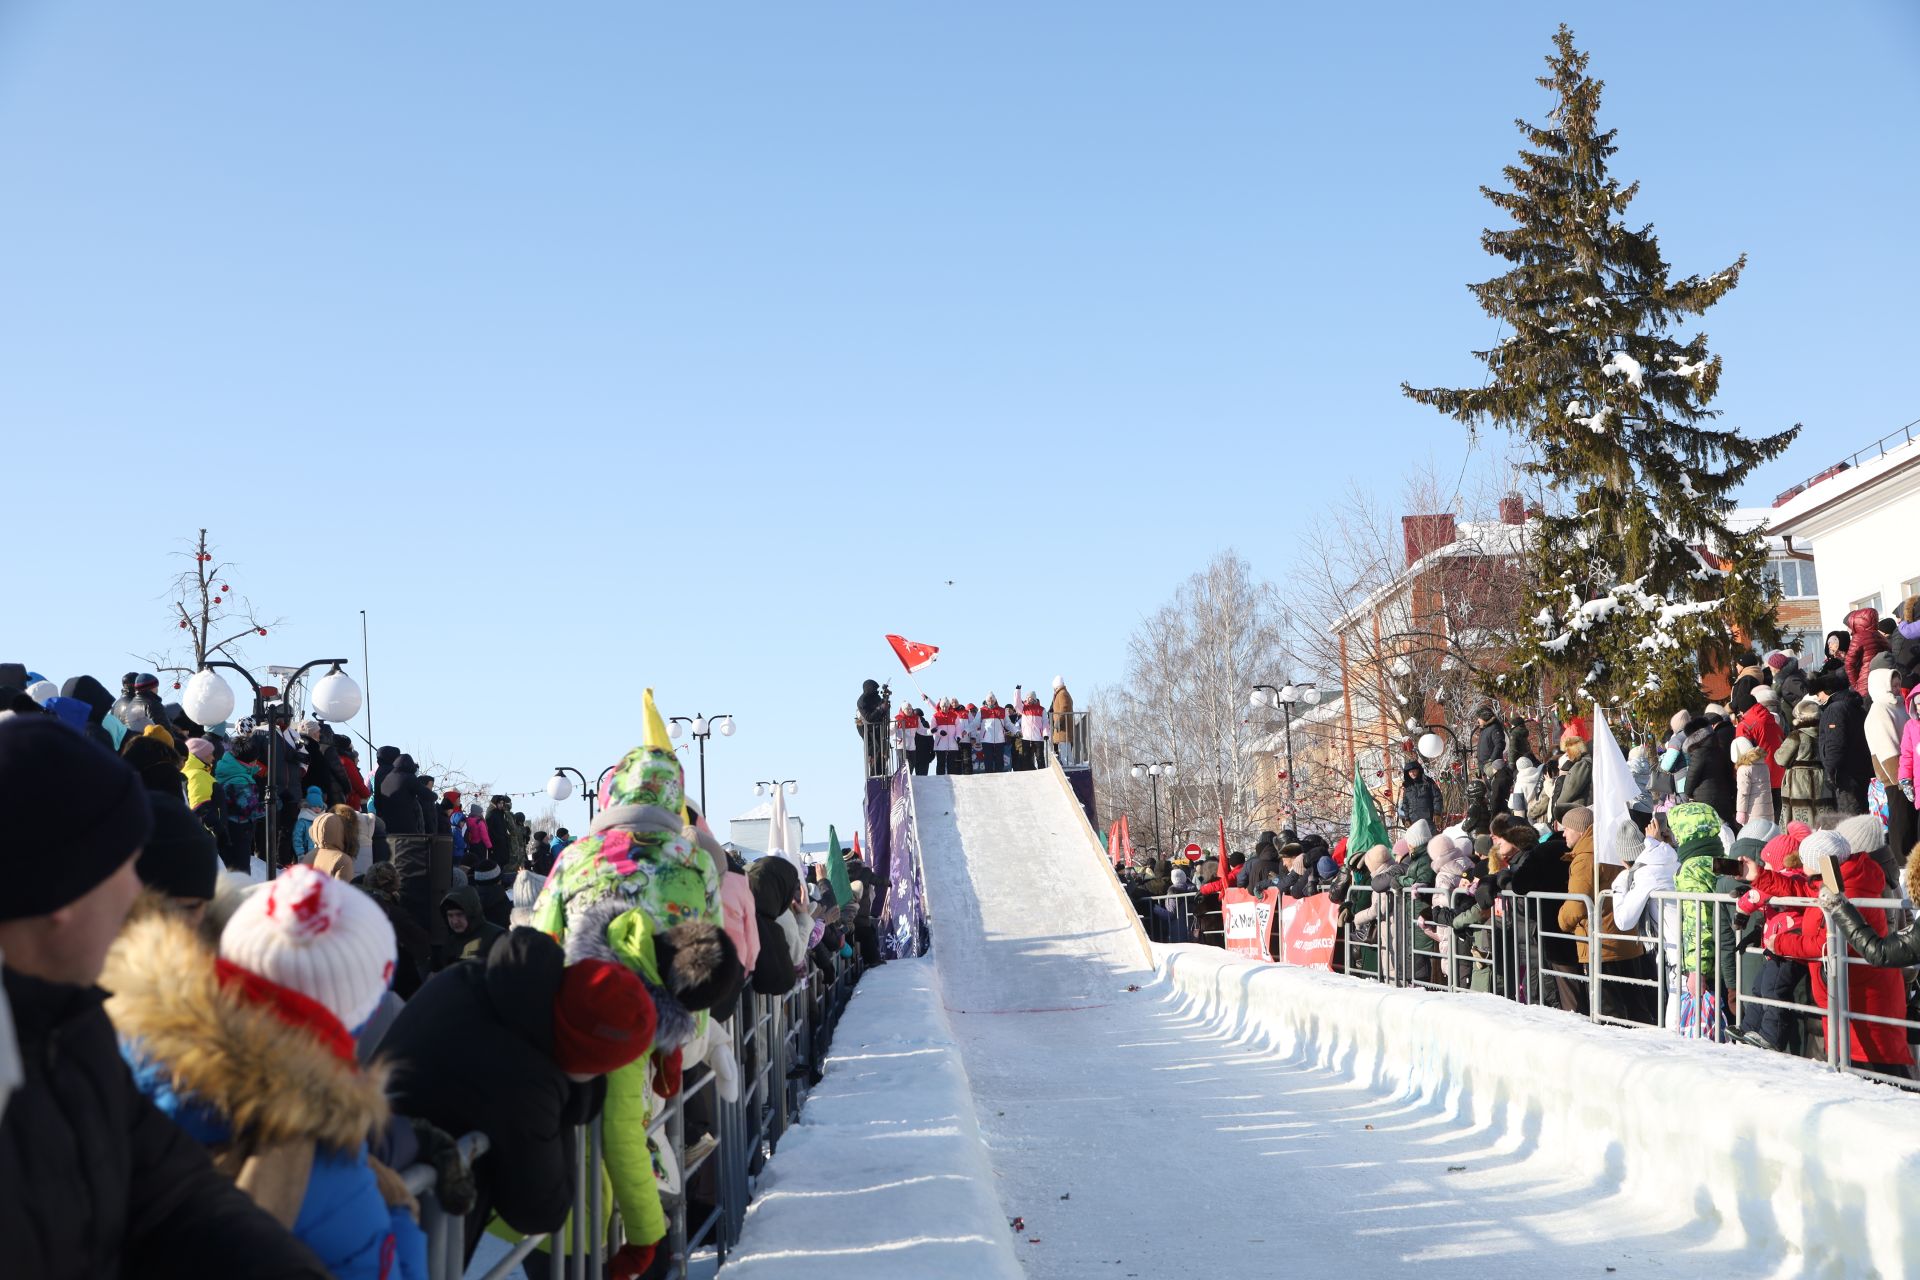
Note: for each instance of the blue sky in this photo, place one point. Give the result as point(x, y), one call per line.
point(701, 346)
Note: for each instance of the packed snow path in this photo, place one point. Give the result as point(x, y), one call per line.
point(1132, 1137)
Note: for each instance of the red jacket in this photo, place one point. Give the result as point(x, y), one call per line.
point(1879, 992)
point(1762, 728)
point(1864, 644)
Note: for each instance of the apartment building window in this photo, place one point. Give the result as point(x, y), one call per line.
point(1795, 578)
point(1911, 587)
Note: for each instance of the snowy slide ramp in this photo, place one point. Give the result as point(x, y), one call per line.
point(1155, 1133)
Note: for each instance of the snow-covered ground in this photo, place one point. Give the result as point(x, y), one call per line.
point(1038, 1095)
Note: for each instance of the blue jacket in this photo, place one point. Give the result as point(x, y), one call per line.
point(222, 1065)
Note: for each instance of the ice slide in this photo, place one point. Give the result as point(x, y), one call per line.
point(1227, 1119)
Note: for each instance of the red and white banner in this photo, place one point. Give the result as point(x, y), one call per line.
point(1250, 922)
point(913, 655)
point(1308, 927)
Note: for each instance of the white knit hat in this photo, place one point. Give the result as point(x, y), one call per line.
point(316, 935)
point(1822, 845)
point(1863, 833)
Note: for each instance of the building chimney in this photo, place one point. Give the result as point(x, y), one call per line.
point(1424, 535)
point(1513, 509)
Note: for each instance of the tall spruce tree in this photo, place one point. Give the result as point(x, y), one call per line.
point(1635, 574)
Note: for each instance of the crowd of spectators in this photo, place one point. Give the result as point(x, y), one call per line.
point(1778, 817)
point(209, 1070)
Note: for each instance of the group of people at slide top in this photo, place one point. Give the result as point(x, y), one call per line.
point(212, 1072)
point(952, 736)
point(1747, 798)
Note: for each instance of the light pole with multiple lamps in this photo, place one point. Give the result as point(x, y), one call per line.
point(703, 727)
point(208, 700)
point(1287, 697)
point(1154, 769)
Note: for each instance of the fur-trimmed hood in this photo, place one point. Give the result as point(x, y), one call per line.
point(1912, 877)
point(268, 1081)
point(587, 939)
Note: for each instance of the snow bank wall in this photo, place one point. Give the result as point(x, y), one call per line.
point(885, 1174)
point(1780, 1156)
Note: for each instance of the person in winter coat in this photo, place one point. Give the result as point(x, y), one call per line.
point(1620, 957)
point(1765, 1025)
point(412, 939)
point(1652, 867)
point(1419, 798)
point(1899, 950)
point(993, 735)
point(303, 823)
point(1789, 681)
point(1802, 780)
point(647, 861)
point(1834, 659)
point(500, 837)
point(1841, 739)
point(1709, 752)
point(1265, 862)
point(1871, 991)
point(1865, 643)
point(94, 1180)
point(487, 880)
point(330, 836)
point(540, 855)
point(1762, 726)
point(946, 737)
point(1696, 831)
point(251, 1052)
point(470, 935)
point(99, 706)
point(906, 737)
point(138, 705)
point(1060, 716)
point(516, 1048)
point(399, 794)
point(775, 884)
point(1753, 796)
point(1885, 726)
point(1576, 779)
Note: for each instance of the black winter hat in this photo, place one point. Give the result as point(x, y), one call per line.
point(181, 859)
point(155, 762)
point(699, 966)
point(75, 814)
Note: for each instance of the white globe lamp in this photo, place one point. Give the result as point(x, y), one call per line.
point(207, 699)
point(1432, 745)
point(559, 786)
point(336, 697)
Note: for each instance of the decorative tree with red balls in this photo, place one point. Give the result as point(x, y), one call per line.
point(201, 602)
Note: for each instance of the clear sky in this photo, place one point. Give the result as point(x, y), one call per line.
point(605, 344)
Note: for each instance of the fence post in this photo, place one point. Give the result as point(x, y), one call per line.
point(1596, 939)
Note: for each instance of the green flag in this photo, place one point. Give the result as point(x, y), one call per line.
point(837, 871)
point(1366, 830)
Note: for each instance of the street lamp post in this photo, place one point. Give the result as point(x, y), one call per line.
point(703, 728)
point(1432, 746)
point(1154, 769)
point(335, 698)
point(1287, 697)
point(560, 787)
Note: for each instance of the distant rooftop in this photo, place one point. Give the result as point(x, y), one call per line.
point(1856, 468)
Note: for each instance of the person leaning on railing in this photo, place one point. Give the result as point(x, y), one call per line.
point(1895, 950)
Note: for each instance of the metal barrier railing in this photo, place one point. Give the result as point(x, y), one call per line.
point(781, 1044)
point(1685, 968)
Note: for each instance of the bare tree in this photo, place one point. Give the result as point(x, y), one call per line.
point(1408, 614)
point(1190, 667)
point(201, 604)
point(452, 776)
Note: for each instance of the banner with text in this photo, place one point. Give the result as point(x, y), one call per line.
point(1307, 930)
point(1250, 922)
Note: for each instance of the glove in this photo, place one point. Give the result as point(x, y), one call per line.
point(1830, 899)
point(1750, 901)
point(666, 1075)
point(1780, 924)
point(1906, 789)
point(726, 1071)
point(632, 1262)
point(453, 1179)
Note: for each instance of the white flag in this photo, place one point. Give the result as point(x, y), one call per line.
point(1614, 791)
point(779, 833)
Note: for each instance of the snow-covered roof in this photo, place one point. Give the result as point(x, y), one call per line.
point(1840, 483)
point(1472, 538)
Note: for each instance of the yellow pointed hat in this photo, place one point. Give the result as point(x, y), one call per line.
point(656, 733)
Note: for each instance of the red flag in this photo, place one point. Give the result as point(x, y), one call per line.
point(1126, 839)
point(1225, 882)
point(913, 656)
